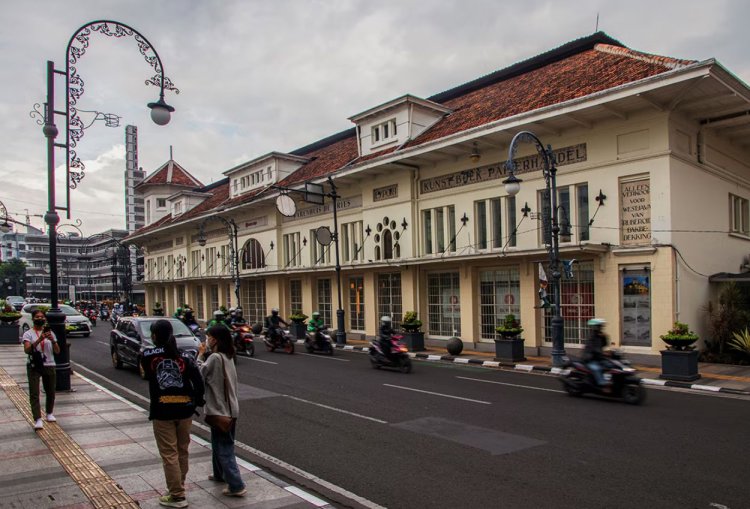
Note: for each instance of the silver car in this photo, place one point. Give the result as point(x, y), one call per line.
point(75, 323)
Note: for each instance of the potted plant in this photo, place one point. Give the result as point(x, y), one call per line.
point(679, 361)
point(158, 310)
point(509, 344)
point(298, 324)
point(9, 326)
point(413, 335)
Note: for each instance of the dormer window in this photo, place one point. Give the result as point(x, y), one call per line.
point(384, 132)
point(161, 203)
point(178, 208)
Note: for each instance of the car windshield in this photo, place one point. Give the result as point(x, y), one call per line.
point(178, 328)
point(69, 311)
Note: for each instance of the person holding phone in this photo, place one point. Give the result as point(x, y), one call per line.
point(40, 344)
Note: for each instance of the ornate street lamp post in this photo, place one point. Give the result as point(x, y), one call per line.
point(234, 262)
point(551, 229)
point(160, 114)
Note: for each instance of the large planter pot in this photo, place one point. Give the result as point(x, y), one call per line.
point(679, 365)
point(509, 350)
point(298, 329)
point(414, 341)
point(8, 334)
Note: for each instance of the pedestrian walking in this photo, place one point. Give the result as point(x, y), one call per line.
point(40, 344)
point(175, 389)
point(222, 407)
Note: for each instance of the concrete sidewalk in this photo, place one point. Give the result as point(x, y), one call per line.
point(725, 378)
point(101, 453)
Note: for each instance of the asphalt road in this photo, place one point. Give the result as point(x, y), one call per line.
point(461, 436)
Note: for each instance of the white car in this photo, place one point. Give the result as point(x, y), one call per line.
point(72, 318)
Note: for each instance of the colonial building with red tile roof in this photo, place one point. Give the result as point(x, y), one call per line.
point(652, 173)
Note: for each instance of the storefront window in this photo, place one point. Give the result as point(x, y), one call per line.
point(577, 306)
point(499, 295)
point(295, 295)
point(357, 303)
point(389, 297)
point(324, 301)
point(636, 307)
point(254, 300)
point(443, 304)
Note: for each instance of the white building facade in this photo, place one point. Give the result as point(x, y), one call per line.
point(653, 176)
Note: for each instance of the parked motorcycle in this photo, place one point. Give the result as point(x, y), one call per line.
point(282, 339)
point(322, 344)
point(399, 357)
point(242, 336)
point(577, 379)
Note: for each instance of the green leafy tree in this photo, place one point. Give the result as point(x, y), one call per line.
point(14, 270)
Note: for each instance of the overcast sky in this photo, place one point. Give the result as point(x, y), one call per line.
point(257, 76)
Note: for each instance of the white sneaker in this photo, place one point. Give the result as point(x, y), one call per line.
point(51, 418)
point(38, 424)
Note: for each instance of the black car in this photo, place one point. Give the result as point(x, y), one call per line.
point(132, 335)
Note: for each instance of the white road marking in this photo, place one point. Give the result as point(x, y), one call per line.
point(340, 410)
point(439, 394)
point(337, 489)
point(510, 385)
point(102, 343)
point(323, 356)
point(254, 359)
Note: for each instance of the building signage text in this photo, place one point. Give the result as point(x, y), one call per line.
point(635, 212)
point(567, 155)
point(385, 193)
point(343, 204)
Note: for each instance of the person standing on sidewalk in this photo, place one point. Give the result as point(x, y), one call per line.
point(40, 343)
point(175, 390)
point(220, 377)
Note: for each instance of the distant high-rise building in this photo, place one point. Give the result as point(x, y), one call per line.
point(134, 210)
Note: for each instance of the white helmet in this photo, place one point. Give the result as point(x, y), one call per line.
point(385, 319)
point(597, 322)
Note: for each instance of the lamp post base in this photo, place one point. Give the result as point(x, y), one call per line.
point(558, 341)
point(340, 333)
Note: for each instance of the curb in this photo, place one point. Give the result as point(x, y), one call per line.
point(546, 370)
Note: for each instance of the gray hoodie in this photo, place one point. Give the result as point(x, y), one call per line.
point(213, 377)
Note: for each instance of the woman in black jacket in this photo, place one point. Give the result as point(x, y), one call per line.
point(176, 389)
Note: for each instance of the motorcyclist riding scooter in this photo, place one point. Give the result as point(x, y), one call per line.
point(273, 324)
point(384, 336)
point(314, 326)
point(593, 353)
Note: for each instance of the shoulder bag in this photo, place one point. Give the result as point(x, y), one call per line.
point(223, 423)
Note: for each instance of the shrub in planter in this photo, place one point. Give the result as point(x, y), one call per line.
point(680, 337)
point(7, 313)
point(413, 335)
point(510, 327)
point(741, 342)
point(411, 323)
point(298, 317)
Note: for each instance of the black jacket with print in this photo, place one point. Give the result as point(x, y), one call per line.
point(175, 385)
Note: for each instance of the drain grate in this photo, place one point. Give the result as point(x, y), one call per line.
point(101, 490)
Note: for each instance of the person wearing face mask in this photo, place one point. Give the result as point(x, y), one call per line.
point(40, 344)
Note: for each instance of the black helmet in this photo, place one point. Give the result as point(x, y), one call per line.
point(275, 311)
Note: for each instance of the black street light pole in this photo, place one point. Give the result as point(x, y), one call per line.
point(234, 262)
point(160, 114)
point(333, 195)
point(551, 229)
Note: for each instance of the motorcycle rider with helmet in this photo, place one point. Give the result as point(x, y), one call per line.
point(236, 317)
point(384, 335)
point(219, 319)
point(273, 325)
point(593, 353)
point(315, 325)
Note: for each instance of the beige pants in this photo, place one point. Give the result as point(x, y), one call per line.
point(173, 439)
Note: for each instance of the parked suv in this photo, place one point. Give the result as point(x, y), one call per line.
point(79, 324)
point(132, 335)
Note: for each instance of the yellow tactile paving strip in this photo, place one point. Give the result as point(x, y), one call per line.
point(101, 490)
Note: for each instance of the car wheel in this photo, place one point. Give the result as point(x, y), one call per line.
point(116, 361)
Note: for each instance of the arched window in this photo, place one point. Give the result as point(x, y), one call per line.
point(252, 255)
point(387, 245)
